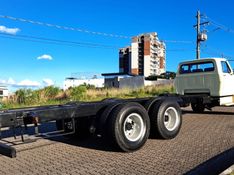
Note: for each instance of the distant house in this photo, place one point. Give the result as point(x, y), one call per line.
point(122, 80)
point(73, 82)
point(4, 92)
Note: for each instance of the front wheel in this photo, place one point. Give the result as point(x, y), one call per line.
point(198, 108)
point(165, 119)
point(128, 126)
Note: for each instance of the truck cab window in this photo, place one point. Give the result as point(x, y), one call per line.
point(197, 67)
point(225, 67)
point(185, 69)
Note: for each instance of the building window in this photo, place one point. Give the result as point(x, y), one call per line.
point(1, 92)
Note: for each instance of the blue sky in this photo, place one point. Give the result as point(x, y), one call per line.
point(172, 20)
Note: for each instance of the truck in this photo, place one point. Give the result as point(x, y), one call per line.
point(208, 81)
point(127, 123)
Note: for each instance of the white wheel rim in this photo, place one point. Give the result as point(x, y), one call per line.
point(171, 119)
point(134, 127)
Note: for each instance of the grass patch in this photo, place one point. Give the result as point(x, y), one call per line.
point(53, 95)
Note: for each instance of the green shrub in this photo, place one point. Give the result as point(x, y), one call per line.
point(26, 96)
point(51, 91)
point(78, 93)
point(21, 95)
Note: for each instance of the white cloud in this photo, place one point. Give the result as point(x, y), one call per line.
point(28, 83)
point(2, 81)
point(10, 81)
point(13, 31)
point(48, 82)
point(45, 57)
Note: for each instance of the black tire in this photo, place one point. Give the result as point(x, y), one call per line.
point(81, 127)
point(128, 126)
point(165, 119)
point(198, 108)
point(102, 119)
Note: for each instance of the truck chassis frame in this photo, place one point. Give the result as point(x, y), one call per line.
point(140, 117)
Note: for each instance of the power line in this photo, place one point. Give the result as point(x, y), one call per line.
point(63, 27)
point(43, 40)
point(219, 25)
point(81, 30)
point(177, 41)
point(178, 50)
point(215, 51)
point(220, 54)
point(55, 41)
point(37, 41)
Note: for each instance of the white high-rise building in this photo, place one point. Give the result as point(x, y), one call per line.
point(145, 57)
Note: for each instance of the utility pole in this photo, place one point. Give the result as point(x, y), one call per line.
point(198, 33)
point(201, 36)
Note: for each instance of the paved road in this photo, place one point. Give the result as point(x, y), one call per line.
point(202, 137)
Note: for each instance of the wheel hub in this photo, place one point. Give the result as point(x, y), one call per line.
point(166, 118)
point(134, 127)
point(171, 119)
point(129, 126)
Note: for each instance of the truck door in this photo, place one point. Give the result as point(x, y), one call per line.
point(227, 79)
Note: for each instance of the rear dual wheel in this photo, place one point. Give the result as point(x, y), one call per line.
point(165, 119)
point(128, 126)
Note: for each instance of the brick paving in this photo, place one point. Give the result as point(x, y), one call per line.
point(202, 137)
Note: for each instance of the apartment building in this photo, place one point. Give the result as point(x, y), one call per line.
point(125, 60)
point(145, 56)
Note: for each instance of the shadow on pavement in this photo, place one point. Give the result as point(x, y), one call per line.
point(90, 142)
point(215, 165)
